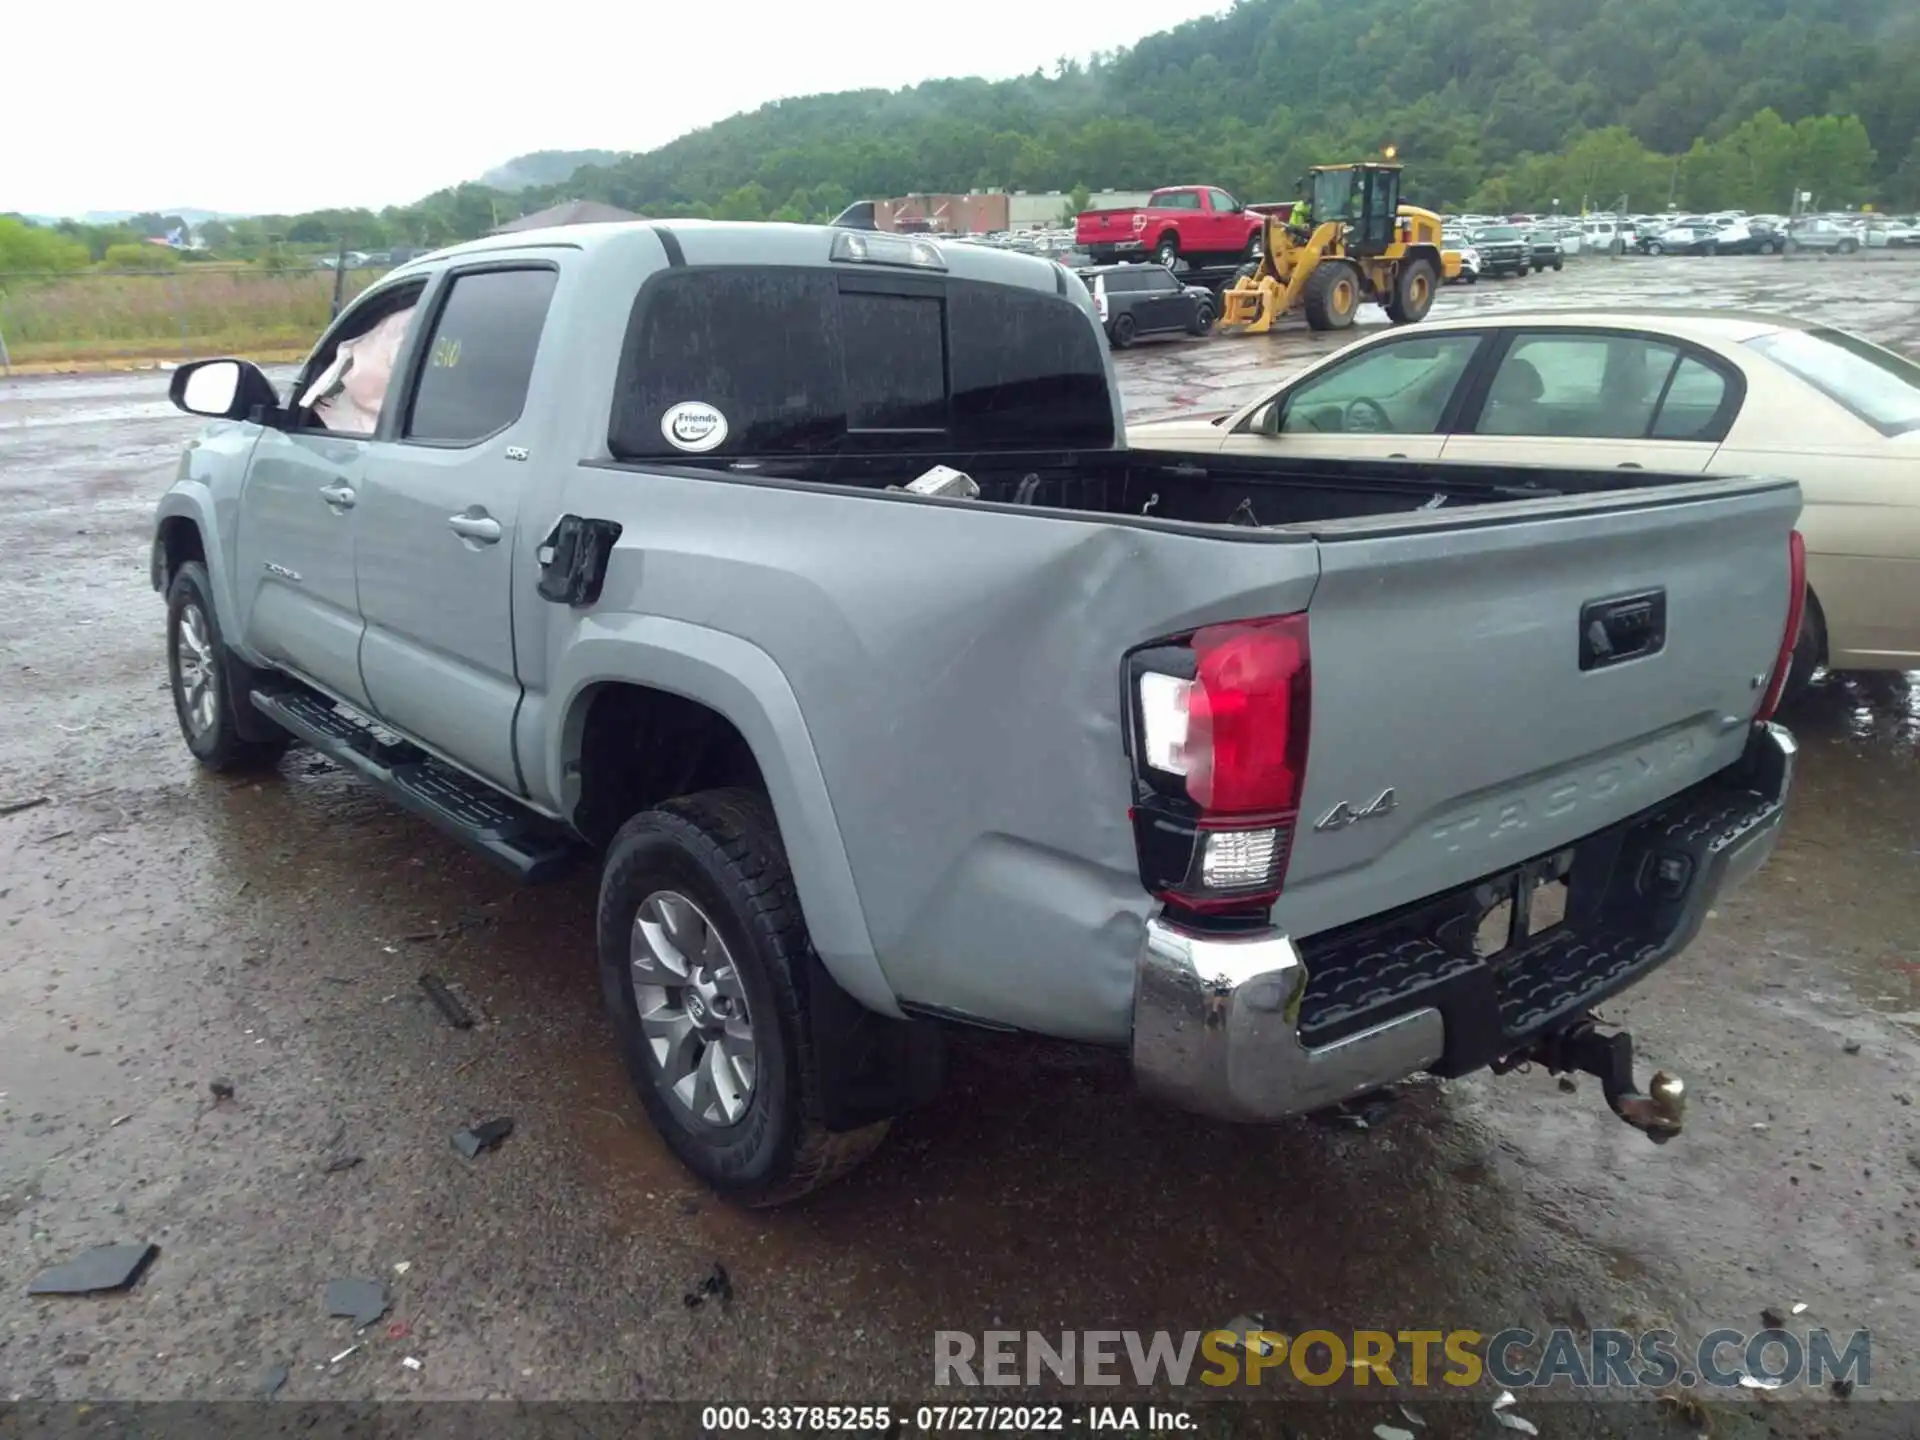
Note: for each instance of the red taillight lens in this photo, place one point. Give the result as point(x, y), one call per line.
point(1247, 718)
point(1796, 609)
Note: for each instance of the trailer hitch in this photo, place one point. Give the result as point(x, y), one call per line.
point(1658, 1112)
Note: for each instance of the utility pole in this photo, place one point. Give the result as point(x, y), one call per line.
point(339, 275)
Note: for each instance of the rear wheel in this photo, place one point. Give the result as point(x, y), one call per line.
point(1654, 247)
point(1809, 652)
point(1847, 247)
point(1167, 252)
point(703, 968)
point(1122, 331)
point(201, 672)
point(1413, 291)
point(1332, 296)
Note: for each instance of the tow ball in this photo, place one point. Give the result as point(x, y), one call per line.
point(1657, 1112)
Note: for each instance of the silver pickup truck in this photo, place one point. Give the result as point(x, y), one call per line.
point(1293, 777)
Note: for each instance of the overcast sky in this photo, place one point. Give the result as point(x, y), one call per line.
point(291, 106)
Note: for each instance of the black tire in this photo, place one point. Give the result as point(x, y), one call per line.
point(205, 712)
point(1413, 291)
point(1167, 251)
point(1558, 266)
point(1332, 296)
point(1202, 318)
point(1809, 652)
point(1654, 247)
point(1246, 272)
point(1847, 247)
point(1122, 331)
point(721, 849)
point(1470, 277)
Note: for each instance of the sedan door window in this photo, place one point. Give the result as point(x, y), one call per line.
point(1586, 386)
point(1399, 388)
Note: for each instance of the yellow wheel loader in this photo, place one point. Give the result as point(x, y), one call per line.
point(1364, 245)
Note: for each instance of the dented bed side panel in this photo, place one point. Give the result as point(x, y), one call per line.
point(958, 668)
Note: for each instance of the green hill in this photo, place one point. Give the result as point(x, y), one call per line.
point(1480, 96)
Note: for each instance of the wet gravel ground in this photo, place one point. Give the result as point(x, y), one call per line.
point(160, 927)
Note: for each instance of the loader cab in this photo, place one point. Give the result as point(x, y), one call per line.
point(1366, 197)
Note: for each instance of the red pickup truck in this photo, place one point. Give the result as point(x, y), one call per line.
point(1200, 224)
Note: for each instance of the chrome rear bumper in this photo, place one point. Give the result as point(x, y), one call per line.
point(1217, 1016)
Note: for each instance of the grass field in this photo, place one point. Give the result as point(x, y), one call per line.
point(97, 316)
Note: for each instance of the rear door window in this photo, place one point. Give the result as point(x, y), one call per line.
point(479, 358)
point(1593, 386)
point(804, 361)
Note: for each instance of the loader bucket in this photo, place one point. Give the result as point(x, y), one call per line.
point(1248, 307)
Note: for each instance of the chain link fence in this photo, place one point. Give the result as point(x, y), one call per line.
point(185, 312)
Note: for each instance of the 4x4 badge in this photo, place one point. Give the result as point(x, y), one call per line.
point(1343, 814)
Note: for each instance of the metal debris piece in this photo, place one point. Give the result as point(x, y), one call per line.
point(343, 1354)
point(1505, 1399)
point(1799, 1307)
point(1773, 1319)
point(118, 1121)
point(400, 1267)
point(107, 1267)
point(1758, 1382)
point(342, 1162)
point(1413, 1416)
point(270, 1384)
point(1516, 1422)
point(14, 807)
point(484, 1136)
point(364, 1300)
point(1241, 1327)
point(714, 1282)
point(1392, 1432)
point(446, 1002)
point(411, 1363)
point(221, 1087)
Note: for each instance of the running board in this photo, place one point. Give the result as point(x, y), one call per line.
point(524, 843)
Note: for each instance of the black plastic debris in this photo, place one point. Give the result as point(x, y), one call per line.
point(221, 1087)
point(109, 1267)
point(714, 1282)
point(446, 1002)
point(271, 1382)
point(1852, 1047)
point(342, 1162)
point(1773, 1319)
point(365, 1301)
point(484, 1136)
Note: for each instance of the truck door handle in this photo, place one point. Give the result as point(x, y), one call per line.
point(337, 495)
point(482, 527)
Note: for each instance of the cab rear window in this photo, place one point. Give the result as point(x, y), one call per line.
point(815, 362)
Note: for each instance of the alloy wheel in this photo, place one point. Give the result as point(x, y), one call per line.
point(693, 1010)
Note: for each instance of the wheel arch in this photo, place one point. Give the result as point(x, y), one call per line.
point(726, 692)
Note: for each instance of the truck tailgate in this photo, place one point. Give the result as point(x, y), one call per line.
point(1480, 670)
point(1101, 224)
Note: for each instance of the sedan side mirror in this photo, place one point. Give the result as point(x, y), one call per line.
point(223, 390)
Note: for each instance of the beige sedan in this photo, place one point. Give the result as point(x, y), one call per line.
point(1676, 391)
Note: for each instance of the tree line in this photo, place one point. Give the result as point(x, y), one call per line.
point(1492, 105)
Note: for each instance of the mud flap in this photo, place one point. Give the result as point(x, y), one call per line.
point(870, 1067)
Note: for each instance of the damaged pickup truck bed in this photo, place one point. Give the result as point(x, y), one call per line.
point(1295, 778)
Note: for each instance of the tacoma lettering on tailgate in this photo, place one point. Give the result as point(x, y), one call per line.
point(1562, 794)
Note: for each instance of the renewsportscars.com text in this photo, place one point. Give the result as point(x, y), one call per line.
point(1513, 1358)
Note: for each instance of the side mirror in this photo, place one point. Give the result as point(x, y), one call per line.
point(222, 389)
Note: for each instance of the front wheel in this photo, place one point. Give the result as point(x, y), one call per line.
point(1122, 331)
point(1202, 318)
point(1332, 296)
point(199, 671)
point(1654, 247)
point(704, 970)
point(1847, 247)
point(1412, 296)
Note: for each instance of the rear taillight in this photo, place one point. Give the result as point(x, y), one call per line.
point(1796, 609)
point(1220, 749)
